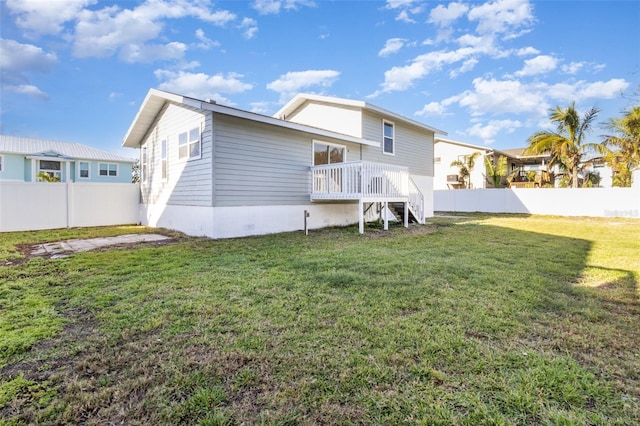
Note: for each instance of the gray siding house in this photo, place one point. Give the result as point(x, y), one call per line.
point(217, 171)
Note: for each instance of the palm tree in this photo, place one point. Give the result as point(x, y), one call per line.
point(496, 171)
point(465, 166)
point(46, 177)
point(566, 145)
point(626, 142)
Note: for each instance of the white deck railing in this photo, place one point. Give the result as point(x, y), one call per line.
point(360, 179)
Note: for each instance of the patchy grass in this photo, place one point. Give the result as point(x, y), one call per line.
point(483, 319)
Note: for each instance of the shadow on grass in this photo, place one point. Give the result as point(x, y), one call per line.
point(458, 323)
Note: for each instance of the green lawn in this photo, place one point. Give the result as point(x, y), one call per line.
point(475, 320)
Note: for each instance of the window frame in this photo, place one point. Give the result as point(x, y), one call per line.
point(189, 144)
point(163, 159)
point(108, 170)
point(328, 144)
point(88, 176)
point(144, 160)
point(1, 163)
point(51, 172)
point(392, 137)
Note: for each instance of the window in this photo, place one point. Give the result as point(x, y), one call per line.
point(388, 138)
point(108, 169)
point(83, 169)
point(51, 168)
point(324, 153)
point(0, 163)
point(189, 144)
point(144, 164)
point(163, 149)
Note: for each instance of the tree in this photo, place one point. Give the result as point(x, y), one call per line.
point(465, 166)
point(567, 144)
point(46, 177)
point(135, 172)
point(496, 171)
point(625, 155)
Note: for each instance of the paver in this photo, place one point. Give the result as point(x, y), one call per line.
point(60, 249)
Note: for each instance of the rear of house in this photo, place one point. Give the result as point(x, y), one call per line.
point(208, 169)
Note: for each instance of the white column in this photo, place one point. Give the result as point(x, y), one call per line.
point(361, 216)
point(386, 215)
point(406, 214)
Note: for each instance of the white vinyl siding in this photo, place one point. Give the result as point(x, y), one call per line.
point(187, 182)
point(413, 146)
point(163, 158)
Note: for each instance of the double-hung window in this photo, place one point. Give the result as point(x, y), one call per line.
point(108, 169)
point(189, 144)
point(388, 138)
point(83, 169)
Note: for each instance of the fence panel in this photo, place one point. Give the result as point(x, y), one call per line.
point(26, 206)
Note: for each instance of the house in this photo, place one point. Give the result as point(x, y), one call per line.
point(23, 159)
point(446, 176)
point(213, 170)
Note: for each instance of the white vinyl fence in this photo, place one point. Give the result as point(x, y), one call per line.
point(26, 206)
point(594, 202)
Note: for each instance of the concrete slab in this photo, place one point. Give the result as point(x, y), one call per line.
point(64, 248)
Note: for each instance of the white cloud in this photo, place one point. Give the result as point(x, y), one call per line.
point(106, 31)
point(250, 27)
point(291, 83)
point(432, 109)
point(582, 91)
point(18, 61)
point(45, 17)
point(114, 95)
point(467, 66)
point(201, 85)
point(273, 7)
point(261, 107)
point(502, 16)
point(526, 51)
point(489, 131)
point(392, 45)
point(539, 65)
point(443, 16)
point(503, 97)
point(133, 53)
point(406, 8)
point(26, 89)
point(205, 42)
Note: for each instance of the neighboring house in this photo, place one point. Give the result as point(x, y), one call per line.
point(23, 159)
point(446, 176)
point(209, 169)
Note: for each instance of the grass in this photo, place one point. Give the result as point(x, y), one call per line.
point(477, 320)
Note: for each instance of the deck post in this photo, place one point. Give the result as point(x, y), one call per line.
point(406, 214)
point(361, 216)
point(386, 215)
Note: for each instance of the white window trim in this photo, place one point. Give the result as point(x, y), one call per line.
point(144, 164)
point(108, 175)
point(56, 173)
point(188, 157)
point(313, 150)
point(79, 169)
point(393, 137)
point(164, 159)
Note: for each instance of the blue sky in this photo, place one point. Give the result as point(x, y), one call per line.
point(485, 72)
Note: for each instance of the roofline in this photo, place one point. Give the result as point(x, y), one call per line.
point(468, 145)
point(301, 98)
point(234, 112)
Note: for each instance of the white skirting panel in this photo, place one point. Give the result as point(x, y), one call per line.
point(231, 222)
point(425, 185)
